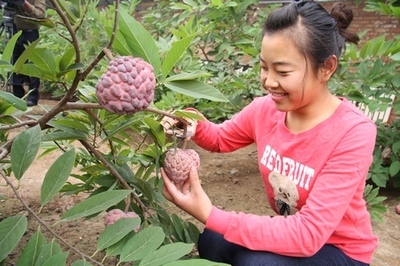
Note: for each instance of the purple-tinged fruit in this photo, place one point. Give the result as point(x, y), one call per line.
point(127, 86)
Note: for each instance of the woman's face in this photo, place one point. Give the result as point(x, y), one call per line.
point(286, 74)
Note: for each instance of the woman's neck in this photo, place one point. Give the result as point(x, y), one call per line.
point(308, 117)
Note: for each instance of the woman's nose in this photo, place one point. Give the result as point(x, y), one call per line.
point(269, 82)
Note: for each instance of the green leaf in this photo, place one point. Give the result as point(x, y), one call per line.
point(143, 243)
point(8, 50)
point(11, 231)
point(13, 100)
point(21, 61)
point(66, 7)
point(67, 58)
point(115, 232)
point(48, 251)
point(188, 76)
point(24, 150)
point(174, 54)
point(139, 40)
point(396, 147)
point(44, 60)
point(372, 194)
point(394, 168)
point(46, 22)
point(396, 81)
point(81, 263)
point(157, 130)
point(71, 134)
point(73, 67)
point(116, 249)
point(34, 71)
point(58, 259)
point(165, 254)
point(120, 44)
point(32, 249)
point(377, 200)
point(95, 204)
point(196, 89)
point(365, 50)
point(66, 124)
point(379, 179)
point(56, 176)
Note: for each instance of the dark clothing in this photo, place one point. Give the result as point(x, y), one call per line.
point(30, 33)
point(212, 246)
point(27, 36)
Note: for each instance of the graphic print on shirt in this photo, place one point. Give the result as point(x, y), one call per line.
point(300, 174)
point(286, 194)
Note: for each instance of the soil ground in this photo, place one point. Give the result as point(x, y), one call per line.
point(231, 180)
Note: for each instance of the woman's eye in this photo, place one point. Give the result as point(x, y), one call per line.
point(282, 73)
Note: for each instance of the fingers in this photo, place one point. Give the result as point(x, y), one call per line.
point(168, 186)
point(194, 179)
point(168, 123)
point(174, 127)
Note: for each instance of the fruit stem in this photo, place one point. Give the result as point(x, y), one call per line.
point(185, 141)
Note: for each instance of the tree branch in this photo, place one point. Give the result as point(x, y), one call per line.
point(44, 224)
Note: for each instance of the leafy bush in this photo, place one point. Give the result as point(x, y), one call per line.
point(118, 156)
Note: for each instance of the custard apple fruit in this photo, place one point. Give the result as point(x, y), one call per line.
point(177, 164)
point(115, 214)
point(127, 86)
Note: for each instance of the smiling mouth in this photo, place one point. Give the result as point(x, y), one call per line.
point(275, 94)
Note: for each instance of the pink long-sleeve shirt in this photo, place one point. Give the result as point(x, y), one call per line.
point(314, 179)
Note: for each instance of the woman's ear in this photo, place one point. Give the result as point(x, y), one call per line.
point(329, 68)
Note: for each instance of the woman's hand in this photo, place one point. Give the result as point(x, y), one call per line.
point(189, 196)
point(174, 127)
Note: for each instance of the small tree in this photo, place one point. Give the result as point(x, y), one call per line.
point(119, 156)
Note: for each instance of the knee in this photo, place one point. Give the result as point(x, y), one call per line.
point(213, 246)
point(207, 243)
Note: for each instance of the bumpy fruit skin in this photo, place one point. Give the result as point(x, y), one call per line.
point(177, 164)
point(114, 215)
point(127, 86)
point(195, 157)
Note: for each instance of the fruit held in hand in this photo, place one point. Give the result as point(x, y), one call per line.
point(127, 86)
point(195, 157)
point(177, 164)
point(115, 214)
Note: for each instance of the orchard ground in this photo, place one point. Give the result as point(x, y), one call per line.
point(231, 180)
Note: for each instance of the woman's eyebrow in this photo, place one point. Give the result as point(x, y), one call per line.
point(283, 63)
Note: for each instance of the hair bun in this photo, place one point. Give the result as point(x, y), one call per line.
point(344, 16)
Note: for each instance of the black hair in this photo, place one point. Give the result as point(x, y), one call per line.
point(315, 32)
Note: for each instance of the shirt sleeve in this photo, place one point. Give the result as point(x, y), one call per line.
point(337, 192)
point(39, 9)
point(231, 135)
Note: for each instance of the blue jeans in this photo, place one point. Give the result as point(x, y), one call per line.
point(212, 246)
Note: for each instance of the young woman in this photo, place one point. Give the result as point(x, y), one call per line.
point(314, 152)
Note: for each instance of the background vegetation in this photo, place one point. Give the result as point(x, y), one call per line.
point(205, 55)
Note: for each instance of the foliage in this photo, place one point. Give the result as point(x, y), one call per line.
point(387, 7)
point(226, 46)
point(118, 156)
point(369, 77)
